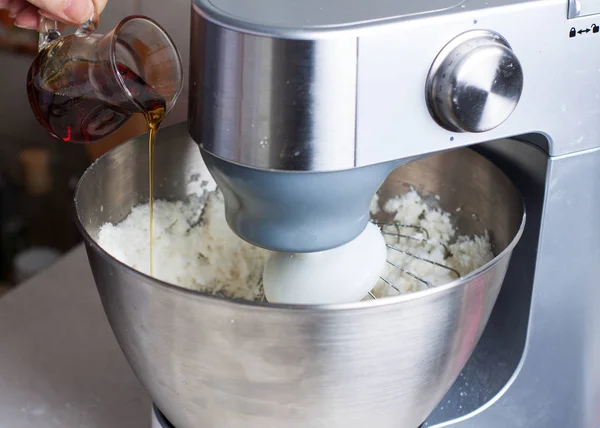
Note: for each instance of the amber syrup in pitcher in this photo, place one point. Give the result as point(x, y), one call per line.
point(67, 105)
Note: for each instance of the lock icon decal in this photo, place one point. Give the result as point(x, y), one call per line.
point(595, 28)
point(573, 32)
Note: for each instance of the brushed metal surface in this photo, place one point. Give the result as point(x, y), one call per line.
point(208, 361)
point(475, 83)
point(267, 16)
point(498, 353)
point(272, 103)
point(394, 56)
point(556, 384)
point(238, 73)
point(580, 8)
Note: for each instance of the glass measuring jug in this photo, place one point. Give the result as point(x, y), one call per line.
point(84, 86)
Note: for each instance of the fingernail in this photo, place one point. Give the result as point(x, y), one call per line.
point(25, 27)
point(79, 11)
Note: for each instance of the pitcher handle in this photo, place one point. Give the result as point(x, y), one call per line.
point(48, 30)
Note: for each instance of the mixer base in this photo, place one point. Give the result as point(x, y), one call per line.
point(159, 420)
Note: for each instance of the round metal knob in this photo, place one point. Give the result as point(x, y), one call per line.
point(475, 83)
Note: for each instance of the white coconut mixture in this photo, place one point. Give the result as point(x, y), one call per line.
point(204, 254)
point(431, 236)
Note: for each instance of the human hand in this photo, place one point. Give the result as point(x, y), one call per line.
point(74, 12)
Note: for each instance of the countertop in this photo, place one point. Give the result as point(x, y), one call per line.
point(60, 365)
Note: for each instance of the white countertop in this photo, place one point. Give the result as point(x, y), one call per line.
point(60, 365)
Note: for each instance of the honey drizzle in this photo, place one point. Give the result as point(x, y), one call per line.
point(154, 118)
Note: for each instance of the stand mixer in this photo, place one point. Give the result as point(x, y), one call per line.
point(303, 109)
point(353, 87)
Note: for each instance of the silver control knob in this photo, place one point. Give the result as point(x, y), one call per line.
point(475, 83)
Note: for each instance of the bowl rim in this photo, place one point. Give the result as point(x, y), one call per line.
point(213, 298)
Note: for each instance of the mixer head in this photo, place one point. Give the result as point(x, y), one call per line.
point(281, 142)
point(281, 106)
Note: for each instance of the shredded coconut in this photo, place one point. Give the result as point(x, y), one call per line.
point(195, 249)
point(191, 252)
point(432, 236)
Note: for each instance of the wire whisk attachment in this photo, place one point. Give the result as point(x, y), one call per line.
point(421, 235)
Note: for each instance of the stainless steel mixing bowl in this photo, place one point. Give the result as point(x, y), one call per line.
point(209, 362)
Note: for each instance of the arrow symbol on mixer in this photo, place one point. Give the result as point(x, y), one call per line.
point(587, 30)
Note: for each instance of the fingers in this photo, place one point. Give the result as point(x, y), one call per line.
point(68, 11)
point(15, 7)
point(28, 18)
point(4, 4)
point(100, 5)
point(75, 12)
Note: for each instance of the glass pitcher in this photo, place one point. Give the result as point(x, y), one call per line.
point(83, 87)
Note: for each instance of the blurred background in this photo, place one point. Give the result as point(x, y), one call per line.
point(38, 174)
